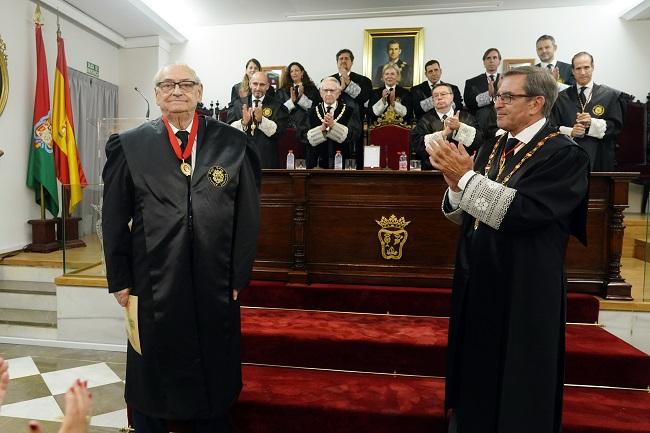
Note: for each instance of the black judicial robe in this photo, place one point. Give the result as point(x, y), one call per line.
point(401, 94)
point(605, 104)
point(566, 72)
point(299, 117)
point(323, 154)
point(430, 123)
point(486, 116)
point(190, 367)
point(505, 361)
point(267, 147)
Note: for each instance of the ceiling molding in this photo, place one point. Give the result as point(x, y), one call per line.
point(76, 16)
point(176, 35)
point(640, 11)
point(147, 42)
point(369, 13)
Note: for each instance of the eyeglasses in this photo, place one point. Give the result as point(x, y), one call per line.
point(506, 98)
point(440, 95)
point(186, 86)
point(329, 90)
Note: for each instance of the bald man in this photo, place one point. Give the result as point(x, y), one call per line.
point(262, 118)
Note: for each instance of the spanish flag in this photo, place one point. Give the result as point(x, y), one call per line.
point(68, 167)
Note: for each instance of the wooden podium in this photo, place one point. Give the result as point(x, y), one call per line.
point(386, 228)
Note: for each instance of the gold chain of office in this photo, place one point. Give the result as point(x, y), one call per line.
point(530, 153)
point(321, 116)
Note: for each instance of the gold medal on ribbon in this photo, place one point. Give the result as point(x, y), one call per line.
point(253, 126)
point(186, 169)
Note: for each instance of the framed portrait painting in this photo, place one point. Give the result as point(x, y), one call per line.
point(274, 74)
point(402, 47)
point(515, 63)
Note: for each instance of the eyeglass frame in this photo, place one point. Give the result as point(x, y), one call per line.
point(176, 83)
point(509, 97)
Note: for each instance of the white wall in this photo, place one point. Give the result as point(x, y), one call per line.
point(620, 49)
point(137, 68)
point(17, 30)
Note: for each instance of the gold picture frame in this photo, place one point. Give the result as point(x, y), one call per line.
point(4, 76)
point(274, 74)
point(410, 43)
point(515, 63)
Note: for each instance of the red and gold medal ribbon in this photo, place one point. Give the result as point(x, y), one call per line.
point(173, 140)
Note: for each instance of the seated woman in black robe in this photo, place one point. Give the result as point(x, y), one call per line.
point(390, 95)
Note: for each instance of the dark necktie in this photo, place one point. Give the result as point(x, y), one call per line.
point(183, 137)
point(583, 98)
point(329, 108)
point(256, 102)
point(510, 147)
point(444, 117)
point(550, 67)
point(492, 78)
point(390, 90)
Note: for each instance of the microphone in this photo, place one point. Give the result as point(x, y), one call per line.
point(145, 99)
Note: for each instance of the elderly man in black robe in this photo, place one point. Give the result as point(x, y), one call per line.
point(517, 207)
point(591, 114)
point(180, 223)
point(444, 123)
point(333, 126)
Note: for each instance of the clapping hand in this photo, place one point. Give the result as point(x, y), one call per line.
point(584, 118)
point(453, 161)
point(452, 124)
point(246, 115)
point(556, 73)
point(4, 378)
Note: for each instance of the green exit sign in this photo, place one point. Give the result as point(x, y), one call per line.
point(92, 69)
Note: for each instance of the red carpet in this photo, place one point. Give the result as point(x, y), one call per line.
point(287, 400)
point(414, 345)
point(279, 399)
point(415, 301)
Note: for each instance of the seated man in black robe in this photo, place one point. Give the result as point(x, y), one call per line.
point(517, 208)
point(591, 114)
point(333, 125)
point(263, 118)
point(443, 123)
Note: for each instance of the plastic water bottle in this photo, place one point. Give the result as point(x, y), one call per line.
point(403, 162)
point(338, 161)
point(291, 160)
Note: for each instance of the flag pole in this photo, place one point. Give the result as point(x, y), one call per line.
point(42, 203)
point(43, 230)
point(38, 21)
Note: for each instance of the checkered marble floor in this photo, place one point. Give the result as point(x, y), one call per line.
point(40, 376)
